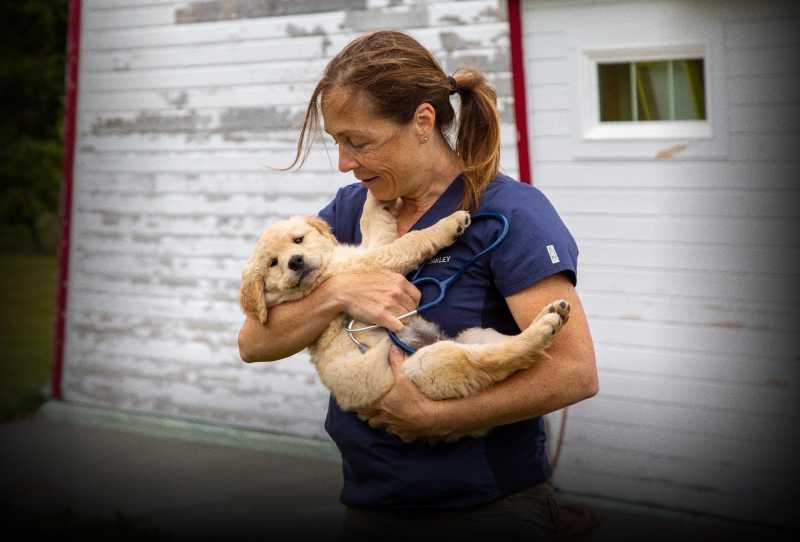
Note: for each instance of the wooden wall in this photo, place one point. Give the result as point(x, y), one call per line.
point(183, 108)
point(688, 265)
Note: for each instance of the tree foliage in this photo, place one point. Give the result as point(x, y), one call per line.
point(33, 44)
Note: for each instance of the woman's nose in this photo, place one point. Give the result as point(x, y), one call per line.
point(346, 161)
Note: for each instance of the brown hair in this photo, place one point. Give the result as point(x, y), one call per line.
point(398, 74)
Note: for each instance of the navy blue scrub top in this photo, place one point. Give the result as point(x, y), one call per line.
point(380, 470)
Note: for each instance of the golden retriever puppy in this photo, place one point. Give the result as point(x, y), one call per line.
point(294, 256)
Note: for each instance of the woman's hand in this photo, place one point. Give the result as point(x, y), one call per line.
point(404, 410)
point(375, 298)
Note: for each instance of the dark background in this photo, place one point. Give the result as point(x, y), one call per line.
point(33, 42)
point(33, 39)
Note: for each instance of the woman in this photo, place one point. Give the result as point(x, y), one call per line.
point(387, 104)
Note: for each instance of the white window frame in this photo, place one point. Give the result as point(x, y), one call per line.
point(592, 129)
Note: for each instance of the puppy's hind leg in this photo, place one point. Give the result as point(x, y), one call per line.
point(450, 369)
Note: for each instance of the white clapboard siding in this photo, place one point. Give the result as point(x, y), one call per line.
point(281, 47)
point(378, 15)
point(688, 266)
point(221, 78)
point(184, 111)
point(244, 160)
point(282, 140)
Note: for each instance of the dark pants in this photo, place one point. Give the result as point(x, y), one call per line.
point(530, 515)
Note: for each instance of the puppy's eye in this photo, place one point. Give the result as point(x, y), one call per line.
point(298, 240)
point(273, 262)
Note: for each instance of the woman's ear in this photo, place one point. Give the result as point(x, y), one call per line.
point(425, 119)
point(252, 296)
point(321, 226)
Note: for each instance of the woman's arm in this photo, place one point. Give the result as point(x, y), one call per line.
point(369, 297)
point(569, 376)
point(290, 326)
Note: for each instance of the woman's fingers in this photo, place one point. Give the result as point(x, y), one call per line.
point(380, 297)
point(390, 321)
point(412, 291)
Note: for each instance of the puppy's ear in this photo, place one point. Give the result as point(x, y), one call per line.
point(252, 296)
point(321, 226)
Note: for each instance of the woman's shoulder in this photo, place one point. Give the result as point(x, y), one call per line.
point(343, 211)
point(508, 195)
point(538, 243)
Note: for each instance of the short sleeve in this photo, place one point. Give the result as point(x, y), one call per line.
point(538, 244)
point(328, 214)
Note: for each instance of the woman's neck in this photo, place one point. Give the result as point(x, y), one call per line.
point(416, 202)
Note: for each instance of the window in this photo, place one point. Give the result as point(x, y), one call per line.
point(645, 93)
point(663, 90)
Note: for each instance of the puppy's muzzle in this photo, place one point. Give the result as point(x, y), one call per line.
point(296, 263)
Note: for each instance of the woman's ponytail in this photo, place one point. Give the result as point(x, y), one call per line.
point(478, 136)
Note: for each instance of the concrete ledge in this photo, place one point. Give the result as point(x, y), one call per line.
point(186, 430)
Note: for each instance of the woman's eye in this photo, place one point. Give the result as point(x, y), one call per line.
point(273, 262)
point(298, 240)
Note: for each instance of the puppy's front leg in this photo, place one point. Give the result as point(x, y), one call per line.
point(378, 222)
point(415, 247)
point(448, 369)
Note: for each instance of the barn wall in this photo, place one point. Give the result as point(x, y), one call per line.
point(183, 106)
point(688, 265)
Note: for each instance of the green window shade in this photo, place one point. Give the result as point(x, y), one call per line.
point(663, 90)
point(615, 92)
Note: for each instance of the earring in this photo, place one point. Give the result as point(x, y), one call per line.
point(425, 139)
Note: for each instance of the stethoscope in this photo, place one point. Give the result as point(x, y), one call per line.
point(441, 284)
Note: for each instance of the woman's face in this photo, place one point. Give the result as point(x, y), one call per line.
point(383, 155)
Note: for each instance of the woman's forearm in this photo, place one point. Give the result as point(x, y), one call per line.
point(566, 376)
point(546, 387)
point(368, 297)
point(290, 326)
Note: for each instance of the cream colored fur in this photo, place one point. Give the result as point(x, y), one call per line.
point(471, 362)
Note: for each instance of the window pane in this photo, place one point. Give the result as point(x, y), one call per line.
point(652, 90)
point(689, 89)
point(615, 92)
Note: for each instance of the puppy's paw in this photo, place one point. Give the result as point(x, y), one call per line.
point(463, 220)
point(549, 322)
point(561, 308)
point(457, 223)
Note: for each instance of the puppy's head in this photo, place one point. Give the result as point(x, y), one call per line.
point(288, 261)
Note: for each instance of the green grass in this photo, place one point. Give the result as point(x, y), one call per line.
point(28, 298)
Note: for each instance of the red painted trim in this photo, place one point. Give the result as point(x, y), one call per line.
point(65, 211)
point(518, 78)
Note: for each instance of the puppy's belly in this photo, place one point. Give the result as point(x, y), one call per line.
point(419, 332)
point(477, 335)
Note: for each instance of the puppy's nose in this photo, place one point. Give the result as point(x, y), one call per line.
point(296, 263)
